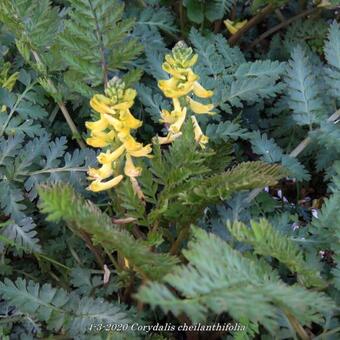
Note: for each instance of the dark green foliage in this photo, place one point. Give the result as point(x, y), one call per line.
point(267, 241)
point(264, 191)
point(61, 203)
point(62, 310)
point(219, 279)
point(105, 47)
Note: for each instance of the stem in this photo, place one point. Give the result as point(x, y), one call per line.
point(294, 153)
point(251, 23)
point(52, 261)
point(282, 25)
point(181, 18)
point(101, 46)
point(47, 171)
point(86, 238)
point(297, 327)
point(63, 108)
point(175, 247)
point(71, 124)
point(326, 334)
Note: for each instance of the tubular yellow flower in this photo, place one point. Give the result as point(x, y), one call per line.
point(130, 169)
point(199, 136)
point(176, 126)
point(109, 157)
point(167, 117)
point(101, 104)
point(167, 139)
point(129, 120)
point(97, 185)
point(173, 88)
point(98, 125)
point(233, 27)
point(115, 122)
point(200, 91)
point(142, 152)
point(101, 139)
point(136, 149)
point(200, 108)
point(105, 171)
point(174, 71)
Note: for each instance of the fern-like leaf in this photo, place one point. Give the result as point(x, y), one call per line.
point(60, 202)
point(60, 309)
point(303, 92)
point(219, 279)
point(269, 242)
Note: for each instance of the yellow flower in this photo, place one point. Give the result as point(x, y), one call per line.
point(173, 87)
point(200, 108)
point(101, 139)
point(114, 109)
point(103, 172)
point(176, 126)
point(109, 157)
point(98, 125)
point(101, 104)
point(97, 185)
point(115, 122)
point(199, 136)
point(167, 139)
point(167, 117)
point(130, 169)
point(174, 71)
point(200, 91)
point(136, 149)
point(181, 56)
point(129, 120)
point(180, 87)
point(233, 27)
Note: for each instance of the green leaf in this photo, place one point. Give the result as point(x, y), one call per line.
point(219, 279)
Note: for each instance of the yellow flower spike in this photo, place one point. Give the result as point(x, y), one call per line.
point(109, 157)
point(233, 27)
point(201, 92)
point(176, 127)
point(105, 171)
point(101, 104)
point(129, 120)
point(130, 169)
point(199, 108)
point(98, 125)
point(101, 139)
point(97, 185)
point(199, 136)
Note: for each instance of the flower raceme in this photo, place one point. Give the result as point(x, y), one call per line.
point(182, 84)
point(113, 131)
